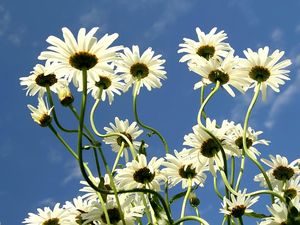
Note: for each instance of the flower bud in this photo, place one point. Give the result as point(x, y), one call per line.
point(65, 96)
point(41, 114)
point(194, 200)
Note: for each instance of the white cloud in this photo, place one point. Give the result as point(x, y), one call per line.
point(283, 99)
point(54, 155)
point(47, 202)
point(74, 172)
point(172, 11)
point(93, 17)
point(277, 35)
point(5, 19)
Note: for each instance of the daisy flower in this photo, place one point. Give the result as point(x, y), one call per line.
point(46, 216)
point(85, 53)
point(42, 77)
point(265, 69)
point(222, 70)
point(234, 138)
point(140, 174)
point(41, 114)
point(281, 170)
point(238, 205)
point(208, 46)
point(131, 213)
point(109, 83)
point(279, 215)
point(131, 131)
point(204, 146)
point(145, 68)
point(292, 188)
point(76, 209)
point(183, 166)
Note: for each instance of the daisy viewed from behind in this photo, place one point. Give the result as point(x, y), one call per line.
point(238, 205)
point(208, 46)
point(42, 114)
point(222, 70)
point(106, 84)
point(131, 131)
point(41, 77)
point(46, 216)
point(184, 166)
point(140, 174)
point(85, 53)
point(146, 69)
point(265, 69)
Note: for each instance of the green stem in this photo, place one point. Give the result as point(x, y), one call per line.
point(54, 113)
point(195, 218)
point(254, 99)
point(189, 182)
point(92, 114)
point(216, 188)
point(118, 156)
point(232, 171)
point(216, 88)
point(97, 163)
point(268, 192)
point(241, 220)
point(203, 114)
point(137, 86)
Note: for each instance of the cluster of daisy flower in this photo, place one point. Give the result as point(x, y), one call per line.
point(135, 189)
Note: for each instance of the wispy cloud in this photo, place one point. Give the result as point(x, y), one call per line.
point(171, 12)
point(73, 172)
point(54, 155)
point(47, 202)
point(283, 99)
point(5, 19)
point(246, 8)
point(93, 17)
point(277, 35)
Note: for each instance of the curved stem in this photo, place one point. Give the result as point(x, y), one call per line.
point(186, 197)
point(216, 188)
point(246, 121)
point(216, 88)
point(203, 114)
point(92, 114)
point(118, 156)
point(195, 218)
point(54, 113)
point(135, 91)
point(268, 192)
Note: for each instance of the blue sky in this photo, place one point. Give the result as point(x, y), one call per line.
point(35, 169)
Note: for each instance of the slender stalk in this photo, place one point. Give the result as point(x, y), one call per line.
point(232, 171)
point(135, 91)
point(268, 192)
point(203, 114)
point(92, 114)
point(195, 218)
point(186, 197)
point(216, 188)
point(118, 156)
point(241, 220)
point(97, 163)
point(216, 88)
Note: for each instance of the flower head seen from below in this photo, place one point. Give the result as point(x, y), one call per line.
point(238, 205)
point(208, 46)
point(234, 138)
point(46, 216)
point(145, 69)
point(280, 171)
point(41, 114)
point(222, 70)
point(184, 166)
point(131, 131)
point(41, 77)
point(265, 69)
point(85, 53)
point(205, 146)
point(107, 84)
point(140, 174)
point(65, 95)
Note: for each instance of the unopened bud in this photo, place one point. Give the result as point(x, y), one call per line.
point(65, 96)
point(194, 200)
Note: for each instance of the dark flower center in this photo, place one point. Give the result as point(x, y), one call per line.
point(259, 73)
point(239, 142)
point(139, 70)
point(209, 148)
point(104, 82)
point(83, 60)
point(143, 176)
point(206, 51)
point(45, 81)
point(238, 211)
point(121, 140)
point(187, 172)
point(45, 120)
point(67, 100)
point(290, 193)
point(114, 216)
point(218, 75)
point(283, 173)
point(53, 221)
point(79, 220)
